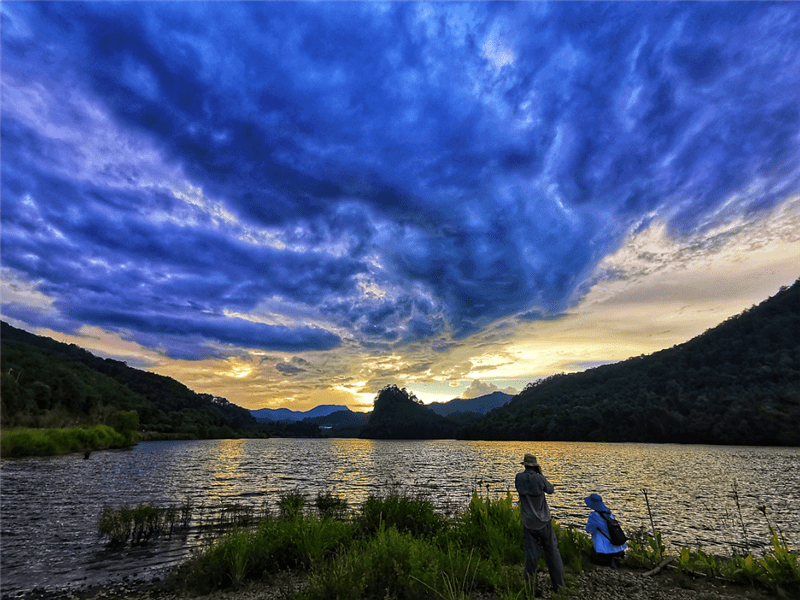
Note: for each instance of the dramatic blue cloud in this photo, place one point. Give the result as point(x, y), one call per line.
point(386, 173)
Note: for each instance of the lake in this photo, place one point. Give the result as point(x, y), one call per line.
point(50, 506)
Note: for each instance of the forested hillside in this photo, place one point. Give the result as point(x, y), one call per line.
point(48, 383)
point(342, 423)
point(738, 383)
point(398, 414)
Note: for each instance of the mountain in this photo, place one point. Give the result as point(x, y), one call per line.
point(284, 414)
point(738, 383)
point(398, 414)
point(44, 380)
point(342, 423)
point(480, 405)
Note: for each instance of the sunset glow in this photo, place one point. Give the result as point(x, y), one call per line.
point(294, 204)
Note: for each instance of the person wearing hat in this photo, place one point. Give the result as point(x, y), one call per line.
point(537, 526)
point(603, 551)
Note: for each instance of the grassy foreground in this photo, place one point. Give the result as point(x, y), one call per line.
point(24, 441)
point(399, 547)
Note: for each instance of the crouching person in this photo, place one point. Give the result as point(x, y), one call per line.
point(608, 540)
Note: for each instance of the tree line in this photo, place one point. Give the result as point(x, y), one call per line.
point(738, 383)
point(46, 383)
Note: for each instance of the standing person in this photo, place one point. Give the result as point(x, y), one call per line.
point(604, 552)
point(537, 526)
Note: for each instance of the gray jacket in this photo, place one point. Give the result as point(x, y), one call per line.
point(532, 487)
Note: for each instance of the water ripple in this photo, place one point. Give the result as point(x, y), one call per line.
point(51, 506)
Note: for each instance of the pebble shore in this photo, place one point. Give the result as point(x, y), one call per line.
point(595, 584)
point(605, 584)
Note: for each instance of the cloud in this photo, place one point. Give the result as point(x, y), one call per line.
point(479, 388)
point(302, 177)
point(296, 365)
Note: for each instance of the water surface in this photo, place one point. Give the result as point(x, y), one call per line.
point(51, 506)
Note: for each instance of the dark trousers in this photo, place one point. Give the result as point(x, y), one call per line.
point(543, 540)
point(606, 560)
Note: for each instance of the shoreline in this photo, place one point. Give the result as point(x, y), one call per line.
point(594, 583)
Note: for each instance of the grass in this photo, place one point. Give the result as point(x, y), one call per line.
point(777, 571)
point(21, 442)
point(142, 522)
point(395, 546)
point(398, 547)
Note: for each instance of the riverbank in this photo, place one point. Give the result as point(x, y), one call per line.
point(594, 583)
point(24, 441)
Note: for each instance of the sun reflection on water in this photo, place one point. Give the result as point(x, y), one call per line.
point(693, 490)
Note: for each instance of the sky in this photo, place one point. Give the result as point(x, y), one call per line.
point(290, 204)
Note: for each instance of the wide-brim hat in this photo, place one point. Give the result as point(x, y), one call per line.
point(530, 461)
point(595, 502)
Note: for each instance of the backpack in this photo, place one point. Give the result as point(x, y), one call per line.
point(615, 535)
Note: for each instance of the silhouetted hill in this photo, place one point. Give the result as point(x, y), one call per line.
point(480, 405)
point(738, 383)
point(284, 414)
point(398, 414)
point(42, 378)
point(341, 418)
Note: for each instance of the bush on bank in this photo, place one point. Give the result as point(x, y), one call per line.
point(20, 442)
point(395, 546)
point(399, 547)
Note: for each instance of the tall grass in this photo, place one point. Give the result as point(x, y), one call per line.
point(494, 527)
point(142, 522)
point(396, 546)
point(275, 545)
point(406, 513)
point(49, 442)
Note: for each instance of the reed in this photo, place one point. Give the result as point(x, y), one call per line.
point(741, 519)
point(143, 522)
point(652, 524)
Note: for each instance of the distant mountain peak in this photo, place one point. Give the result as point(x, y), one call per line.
point(480, 405)
point(285, 414)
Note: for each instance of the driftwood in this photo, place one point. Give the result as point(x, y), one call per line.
point(660, 566)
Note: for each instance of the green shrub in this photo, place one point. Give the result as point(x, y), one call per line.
point(780, 568)
point(509, 582)
point(291, 504)
point(49, 442)
point(330, 505)
point(274, 546)
point(459, 576)
point(397, 547)
point(745, 569)
point(318, 539)
point(391, 564)
point(575, 547)
point(407, 514)
point(644, 550)
point(494, 527)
